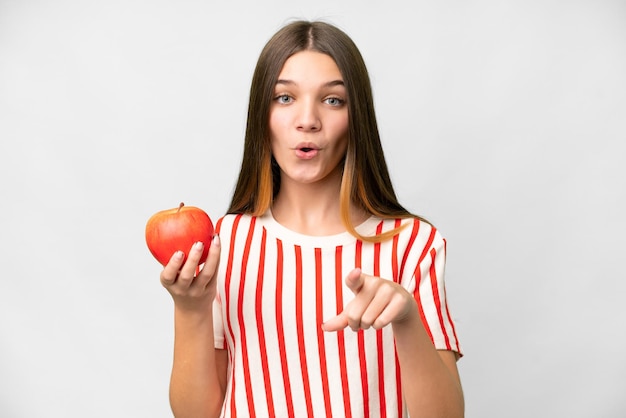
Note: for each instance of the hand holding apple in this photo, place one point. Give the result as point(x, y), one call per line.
point(177, 229)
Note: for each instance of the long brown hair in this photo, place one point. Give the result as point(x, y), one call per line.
point(365, 180)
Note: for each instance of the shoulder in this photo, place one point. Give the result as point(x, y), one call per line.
point(415, 227)
point(417, 235)
point(231, 221)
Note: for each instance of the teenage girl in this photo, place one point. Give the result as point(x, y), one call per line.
point(322, 296)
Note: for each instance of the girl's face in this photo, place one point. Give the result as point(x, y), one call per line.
point(308, 119)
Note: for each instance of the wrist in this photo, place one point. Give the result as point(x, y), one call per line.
point(193, 314)
point(410, 321)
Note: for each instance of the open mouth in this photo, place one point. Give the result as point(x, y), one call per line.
point(306, 152)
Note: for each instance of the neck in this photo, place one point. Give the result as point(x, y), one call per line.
point(312, 209)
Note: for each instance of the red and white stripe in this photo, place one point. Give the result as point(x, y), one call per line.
point(277, 287)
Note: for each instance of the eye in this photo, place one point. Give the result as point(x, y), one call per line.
point(334, 101)
point(283, 98)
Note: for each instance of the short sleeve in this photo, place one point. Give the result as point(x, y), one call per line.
point(430, 293)
point(218, 324)
point(219, 332)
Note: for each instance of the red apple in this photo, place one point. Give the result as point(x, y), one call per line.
point(176, 229)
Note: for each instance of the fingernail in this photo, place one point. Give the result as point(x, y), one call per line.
point(198, 245)
point(178, 255)
point(216, 239)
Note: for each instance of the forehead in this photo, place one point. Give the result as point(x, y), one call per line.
point(310, 66)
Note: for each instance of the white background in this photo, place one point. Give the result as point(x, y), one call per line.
point(504, 123)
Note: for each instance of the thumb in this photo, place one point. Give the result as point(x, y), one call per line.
point(354, 280)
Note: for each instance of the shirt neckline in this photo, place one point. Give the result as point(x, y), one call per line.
point(277, 230)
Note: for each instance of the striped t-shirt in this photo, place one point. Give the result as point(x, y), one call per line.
point(275, 289)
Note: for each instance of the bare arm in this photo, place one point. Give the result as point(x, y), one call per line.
point(430, 380)
point(198, 378)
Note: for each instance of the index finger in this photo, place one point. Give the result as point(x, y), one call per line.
point(170, 271)
point(337, 323)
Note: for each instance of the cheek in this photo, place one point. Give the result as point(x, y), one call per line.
point(345, 129)
point(274, 127)
point(276, 122)
point(341, 129)
point(341, 122)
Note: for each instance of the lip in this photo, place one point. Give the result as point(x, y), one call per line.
point(306, 150)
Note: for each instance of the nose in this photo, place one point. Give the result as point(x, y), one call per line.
point(308, 116)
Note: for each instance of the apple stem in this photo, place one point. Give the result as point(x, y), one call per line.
point(180, 206)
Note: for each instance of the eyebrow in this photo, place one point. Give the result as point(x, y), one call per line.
point(331, 83)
